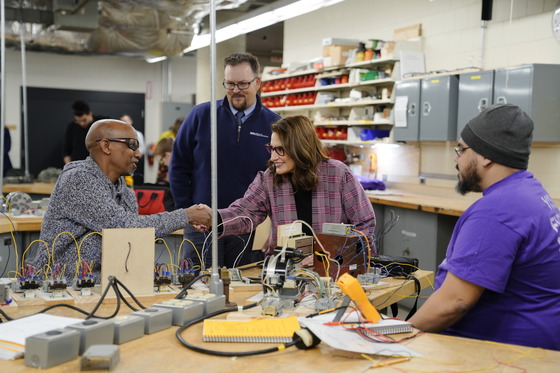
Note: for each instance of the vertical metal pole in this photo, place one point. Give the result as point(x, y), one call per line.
point(216, 286)
point(2, 89)
point(25, 133)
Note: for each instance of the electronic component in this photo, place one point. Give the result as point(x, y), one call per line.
point(322, 304)
point(340, 229)
point(183, 278)
point(235, 274)
point(302, 243)
point(351, 287)
point(93, 332)
point(55, 287)
point(81, 283)
point(4, 293)
point(274, 306)
point(394, 266)
point(281, 289)
point(30, 283)
point(371, 277)
point(127, 328)
point(99, 357)
point(184, 310)
point(51, 348)
point(348, 251)
point(161, 283)
point(155, 319)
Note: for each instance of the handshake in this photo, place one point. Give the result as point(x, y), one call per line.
point(200, 217)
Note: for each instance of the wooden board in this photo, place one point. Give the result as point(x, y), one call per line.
point(128, 255)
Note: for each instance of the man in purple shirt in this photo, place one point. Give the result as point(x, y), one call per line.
point(499, 280)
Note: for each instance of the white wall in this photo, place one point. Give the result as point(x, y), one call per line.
point(103, 73)
point(451, 30)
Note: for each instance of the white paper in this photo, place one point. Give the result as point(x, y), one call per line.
point(401, 107)
point(343, 339)
point(13, 333)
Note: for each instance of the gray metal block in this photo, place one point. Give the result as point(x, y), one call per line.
point(127, 328)
point(211, 302)
point(51, 348)
point(155, 319)
point(94, 332)
point(98, 357)
point(184, 310)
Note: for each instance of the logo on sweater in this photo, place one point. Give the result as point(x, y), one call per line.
point(258, 134)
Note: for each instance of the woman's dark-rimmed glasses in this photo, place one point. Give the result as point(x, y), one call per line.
point(277, 149)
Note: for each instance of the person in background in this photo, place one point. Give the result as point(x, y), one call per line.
point(91, 195)
point(243, 130)
point(7, 166)
point(139, 173)
point(172, 131)
point(163, 155)
point(301, 183)
point(499, 280)
point(74, 139)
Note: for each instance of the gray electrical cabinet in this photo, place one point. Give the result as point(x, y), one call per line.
point(7, 255)
point(418, 234)
point(476, 93)
point(438, 121)
point(410, 89)
point(535, 88)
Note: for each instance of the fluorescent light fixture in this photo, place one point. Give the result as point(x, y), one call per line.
point(155, 59)
point(259, 21)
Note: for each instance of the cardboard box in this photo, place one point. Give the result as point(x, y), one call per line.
point(338, 41)
point(334, 55)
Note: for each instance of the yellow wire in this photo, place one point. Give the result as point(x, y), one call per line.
point(28, 247)
point(168, 251)
point(56, 238)
point(79, 251)
point(327, 253)
point(326, 266)
point(195, 250)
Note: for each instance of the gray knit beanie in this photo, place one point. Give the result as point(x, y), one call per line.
point(501, 133)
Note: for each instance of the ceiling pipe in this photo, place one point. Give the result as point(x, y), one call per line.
point(216, 286)
point(485, 17)
point(2, 90)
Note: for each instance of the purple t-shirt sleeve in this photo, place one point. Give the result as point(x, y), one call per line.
point(483, 252)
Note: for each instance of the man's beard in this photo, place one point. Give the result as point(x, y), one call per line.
point(242, 106)
point(470, 179)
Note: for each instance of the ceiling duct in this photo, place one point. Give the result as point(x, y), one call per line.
point(136, 28)
point(73, 15)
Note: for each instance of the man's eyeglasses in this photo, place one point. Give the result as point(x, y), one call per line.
point(132, 143)
point(459, 150)
point(278, 149)
point(241, 85)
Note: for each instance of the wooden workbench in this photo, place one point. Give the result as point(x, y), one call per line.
point(162, 352)
point(29, 188)
point(453, 206)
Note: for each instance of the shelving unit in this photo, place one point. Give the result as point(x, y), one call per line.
point(341, 110)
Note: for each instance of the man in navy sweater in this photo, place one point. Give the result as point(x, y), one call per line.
point(243, 126)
